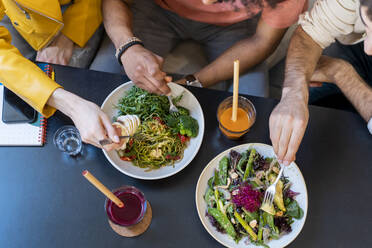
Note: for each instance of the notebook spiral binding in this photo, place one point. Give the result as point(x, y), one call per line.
point(43, 121)
point(42, 130)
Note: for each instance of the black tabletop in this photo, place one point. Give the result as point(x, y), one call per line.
point(45, 201)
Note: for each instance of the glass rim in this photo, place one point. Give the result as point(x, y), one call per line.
point(65, 128)
point(249, 103)
point(143, 204)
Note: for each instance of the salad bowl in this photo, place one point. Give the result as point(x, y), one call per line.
point(292, 172)
point(188, 101)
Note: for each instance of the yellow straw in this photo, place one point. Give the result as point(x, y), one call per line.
point(236, 90)
point(103, 189)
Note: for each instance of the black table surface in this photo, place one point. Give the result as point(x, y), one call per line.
point(45, 201)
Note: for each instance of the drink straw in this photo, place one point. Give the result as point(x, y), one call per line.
point(103, 189)
point(236, 90)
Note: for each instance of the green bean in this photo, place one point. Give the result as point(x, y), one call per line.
point(249, 167)
point(245, 226)
point(223, 166)
point(223, 221)
point(260, 228)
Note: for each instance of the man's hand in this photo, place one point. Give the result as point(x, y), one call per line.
point(287, 124)
point(144, 69)
point(92, 123)
point(58, 52)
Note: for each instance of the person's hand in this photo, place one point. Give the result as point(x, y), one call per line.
point(58, 52)
point(287, 124)
point(92, 123)
point(144, 69)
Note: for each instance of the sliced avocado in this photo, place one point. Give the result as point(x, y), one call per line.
point(278, 198)
point(268, 208)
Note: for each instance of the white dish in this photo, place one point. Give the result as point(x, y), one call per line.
point(188, 101)
point(292, 172)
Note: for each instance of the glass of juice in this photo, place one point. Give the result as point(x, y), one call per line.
point(134, 206)
point(246, 116)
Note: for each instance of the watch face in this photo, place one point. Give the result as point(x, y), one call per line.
point(190, 78)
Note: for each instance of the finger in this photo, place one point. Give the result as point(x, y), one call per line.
point(161, 87)
point(110, 130)
point(168, 79)
point(294, 143)
point(147, 85)
point(315, 84)
point(285, 136)
point(159, 81)
point(275, 130)
point(159, 59)
point(156, 75)
point(90, 141)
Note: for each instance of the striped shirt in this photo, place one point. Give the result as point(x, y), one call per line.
point(329, 20)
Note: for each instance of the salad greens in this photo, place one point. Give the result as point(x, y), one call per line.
point(163, 135)
point(234, 199)
point(144, 104)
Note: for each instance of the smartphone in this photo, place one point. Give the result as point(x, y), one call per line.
point(15, 110)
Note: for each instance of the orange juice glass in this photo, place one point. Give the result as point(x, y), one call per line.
point(246, 116)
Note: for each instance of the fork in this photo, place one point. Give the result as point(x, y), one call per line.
point(109, 141)
point(271, 190)
point(172, 107)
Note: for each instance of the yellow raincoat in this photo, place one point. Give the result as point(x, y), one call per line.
point(39, 21)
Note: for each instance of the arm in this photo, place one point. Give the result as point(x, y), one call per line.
point(92, 122)
point(141, 65)
point(319, 28)
point(356, 90)
point(29, 82)
point(250, 52)
point(23, 77)
point(81, 20)
point(289, 119)
point(343, 74)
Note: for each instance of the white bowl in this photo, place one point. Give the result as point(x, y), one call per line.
point(188, 101)
point(292, 172)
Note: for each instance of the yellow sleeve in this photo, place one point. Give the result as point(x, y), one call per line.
point(81, 19)
point(23, 77)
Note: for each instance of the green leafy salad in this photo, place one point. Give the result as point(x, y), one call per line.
point(234, 198)
point(162, 137)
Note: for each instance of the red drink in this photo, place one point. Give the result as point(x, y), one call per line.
point(134, 206)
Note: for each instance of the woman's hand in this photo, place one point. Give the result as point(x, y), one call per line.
point(92, 123)
point(58, 52)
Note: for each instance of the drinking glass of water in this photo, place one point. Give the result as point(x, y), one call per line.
point(67, 139)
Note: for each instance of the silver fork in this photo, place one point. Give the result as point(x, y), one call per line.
point(109, 141)
point(271, 190)
point(172, 107)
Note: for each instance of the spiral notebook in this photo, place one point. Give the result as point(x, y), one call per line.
point(24, 134)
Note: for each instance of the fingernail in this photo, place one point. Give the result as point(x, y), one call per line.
point(116, 139)
point(286, 163)
point(280, 161)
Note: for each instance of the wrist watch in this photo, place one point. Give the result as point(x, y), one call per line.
point(191, 80)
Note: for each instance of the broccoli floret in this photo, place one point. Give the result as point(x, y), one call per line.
point(183, 111)
point(188, 126)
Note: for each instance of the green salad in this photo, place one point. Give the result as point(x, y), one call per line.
point(162, 137)
point(234, 198)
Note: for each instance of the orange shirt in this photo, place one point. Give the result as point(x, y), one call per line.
point(282, 16)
